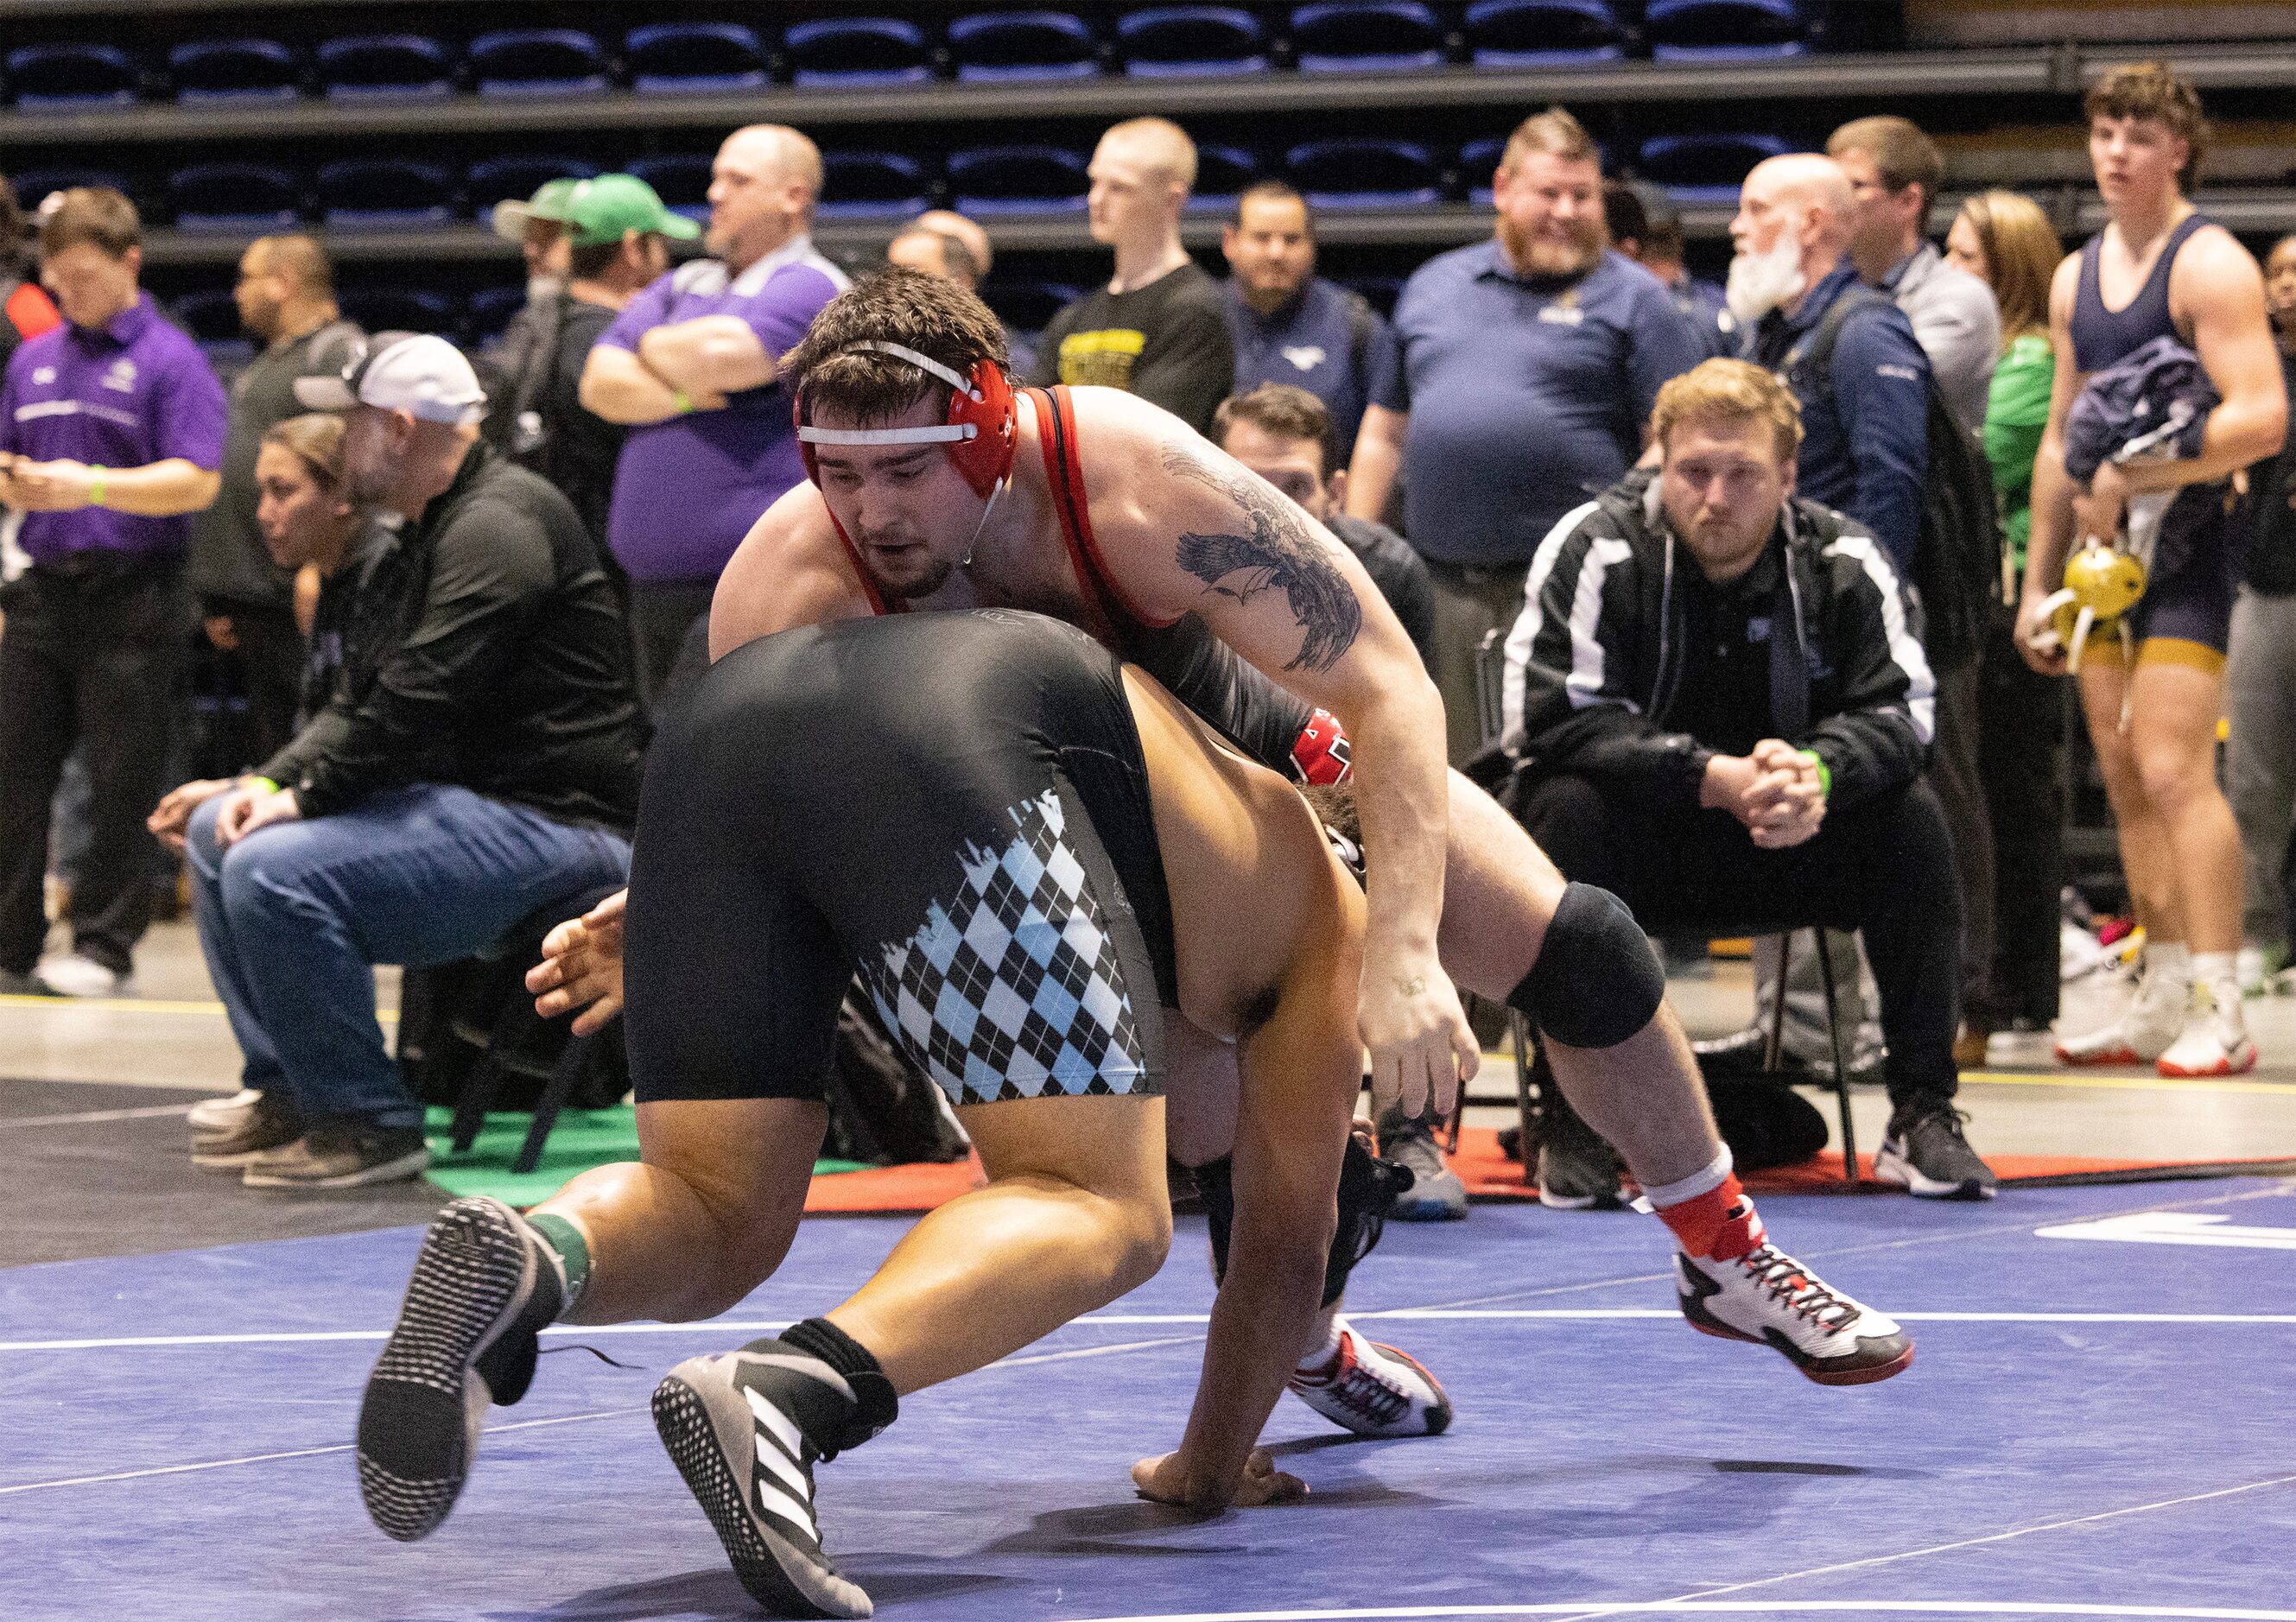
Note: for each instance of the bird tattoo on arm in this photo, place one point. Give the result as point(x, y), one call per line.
point(1279, 552)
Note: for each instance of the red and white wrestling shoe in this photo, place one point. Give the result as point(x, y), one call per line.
point(1374, 1390)
point(2146, 1030)
point(1766, 1297)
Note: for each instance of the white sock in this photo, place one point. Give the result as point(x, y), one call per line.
point(1324, 1339)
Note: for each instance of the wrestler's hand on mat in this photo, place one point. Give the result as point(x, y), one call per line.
point(1407, 1013)
point(1163, 1479)
point(581, 967)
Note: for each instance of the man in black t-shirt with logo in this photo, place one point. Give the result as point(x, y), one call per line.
point(1159, 329)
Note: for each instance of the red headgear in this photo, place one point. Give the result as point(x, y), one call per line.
point(981, 433)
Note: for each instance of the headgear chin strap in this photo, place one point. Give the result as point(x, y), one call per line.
point(981, 433)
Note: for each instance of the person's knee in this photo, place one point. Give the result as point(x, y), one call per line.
point(2172, 775)
point(200, 847)
point(1597, 982)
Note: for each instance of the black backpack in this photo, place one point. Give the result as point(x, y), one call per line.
point(1957, 553)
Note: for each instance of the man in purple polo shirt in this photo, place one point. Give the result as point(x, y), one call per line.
point(689, 367)
point(111, 430)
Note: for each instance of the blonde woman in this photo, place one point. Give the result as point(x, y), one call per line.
point(2004, 239)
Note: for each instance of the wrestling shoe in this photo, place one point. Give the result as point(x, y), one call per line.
point(740, 1429)
point(1374, 1390)
point(2154, 1018)
point(257, 1131)
point(1766, 1297)
point(225, 1114)
point(1924, 1152)
point(465, 1338)
point(1434, 1193)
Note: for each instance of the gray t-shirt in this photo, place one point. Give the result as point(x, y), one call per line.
point(228, 563)
point(1958, 326)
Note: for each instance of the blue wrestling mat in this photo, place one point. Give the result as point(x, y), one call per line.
point(2098, 1424)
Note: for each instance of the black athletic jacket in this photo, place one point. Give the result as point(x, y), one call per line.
point(1598, 661)
point(482, 646)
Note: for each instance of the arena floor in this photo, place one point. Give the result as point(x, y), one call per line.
point(2096, 1426)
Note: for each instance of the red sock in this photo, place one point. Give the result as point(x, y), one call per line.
point(1719, 1224)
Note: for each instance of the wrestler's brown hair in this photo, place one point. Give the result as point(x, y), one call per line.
point(2153, 90)
point(931, 314)
point(1732, 391)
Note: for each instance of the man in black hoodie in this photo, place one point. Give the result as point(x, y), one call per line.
point(476, 759)
point(1723, 693)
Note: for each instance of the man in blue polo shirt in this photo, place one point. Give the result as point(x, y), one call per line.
point(1293, 326)
point(111, 430)
point(689, 368)
point(1531, 365)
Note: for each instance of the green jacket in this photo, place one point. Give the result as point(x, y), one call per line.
point(2016, 412)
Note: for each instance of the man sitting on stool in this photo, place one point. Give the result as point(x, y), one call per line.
point(1722, 689)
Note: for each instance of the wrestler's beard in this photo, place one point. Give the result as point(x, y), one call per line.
point(1759, 282)
point(1543, 256)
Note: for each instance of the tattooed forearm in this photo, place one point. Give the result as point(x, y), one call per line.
point(1279, 552)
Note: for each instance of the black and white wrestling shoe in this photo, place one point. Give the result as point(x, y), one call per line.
point(464, 1339)
point(740, 1429)
point(1759, 1293)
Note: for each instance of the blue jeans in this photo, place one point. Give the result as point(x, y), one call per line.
point(293, 918)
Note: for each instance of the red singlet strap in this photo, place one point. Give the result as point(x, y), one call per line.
point(1056, 434)
point(878, 603)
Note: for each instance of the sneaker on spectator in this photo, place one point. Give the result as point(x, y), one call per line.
point(2215, 1042)
point(342, 1154)
point(1968, 1046)
point(266, 1127)
point(1436, 1194)
point(70, 975)
point(2028, 1044)
point(1578, 1171)
point(2153, 1021)
point(1924, 1152)
point(224, 1114)
point(1769, 1299)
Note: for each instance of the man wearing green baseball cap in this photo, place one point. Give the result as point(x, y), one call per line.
point(617, 234)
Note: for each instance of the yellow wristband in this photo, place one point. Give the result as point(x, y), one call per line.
point(1825, 773)
point(682, 400)
point(95, 484)
point(265, 784)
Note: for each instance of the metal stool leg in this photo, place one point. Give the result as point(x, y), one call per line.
point(1840, 1058)
point(1773, 1044)
point(1519, 1029)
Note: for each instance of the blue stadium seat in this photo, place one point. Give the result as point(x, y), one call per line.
point(990, 46)
point(70, 75)
point(1361, 172)
point(1028, 307)
point(375, 65)
point(1366, 37)
point(400, 309)
point(1706, 169)
point(1706, 30)
point(860, 184)
point(248, 197)
point(1017, 180)
point(1181, 39)
point(680, 179)
point(233, 69)
point(211, 317)
point(1222, 172)
point(537, 61)
point(857, 51)
point(491, 308)
point(380, 193)
point(1478, 160)
point(33, 184)
point(1538, 33)
point(684, 58)
point(493, 180)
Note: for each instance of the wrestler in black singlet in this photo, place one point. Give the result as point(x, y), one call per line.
point(2196, 567)
point(955, 805)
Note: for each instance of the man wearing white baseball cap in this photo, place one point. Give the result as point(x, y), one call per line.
point(476, 757)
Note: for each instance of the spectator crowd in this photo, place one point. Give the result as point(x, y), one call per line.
point(1753, 596)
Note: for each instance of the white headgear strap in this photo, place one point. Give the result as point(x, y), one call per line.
point(943, 433)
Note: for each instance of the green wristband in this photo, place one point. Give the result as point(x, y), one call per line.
point(682, 400)
point(95, 484)
point(265, 784)
point(1825, 773)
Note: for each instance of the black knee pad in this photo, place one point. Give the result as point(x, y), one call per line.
point(1369, 1188)
point(1596, 982)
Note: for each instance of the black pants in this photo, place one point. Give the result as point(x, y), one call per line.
point(1956, 773)
point(89, 659)
point(270, 655)
point(1884, 866)
point(2020, 758)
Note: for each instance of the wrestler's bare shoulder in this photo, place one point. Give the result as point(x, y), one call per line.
point(791, 569)
point(1122, 442)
